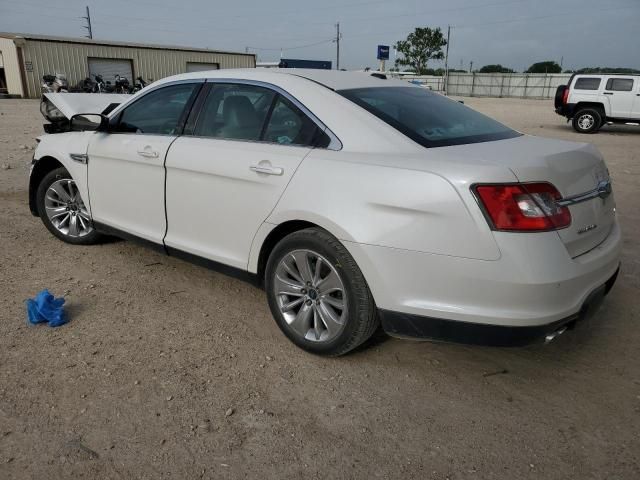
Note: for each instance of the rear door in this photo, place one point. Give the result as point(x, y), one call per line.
point(126, 165)
point(225, 178)
point(621, 95)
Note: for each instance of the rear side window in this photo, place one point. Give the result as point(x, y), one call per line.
point(587, 84)
point(428, 118)
point(620, 84)
point(235, 112)
point(254, 113)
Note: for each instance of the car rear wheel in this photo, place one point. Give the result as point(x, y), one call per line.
point(62, 209)
point(318, 295)
point(587, 120)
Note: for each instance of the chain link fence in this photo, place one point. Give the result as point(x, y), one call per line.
point(518, 85)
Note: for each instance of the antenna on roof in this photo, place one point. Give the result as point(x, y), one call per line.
point(88, 25)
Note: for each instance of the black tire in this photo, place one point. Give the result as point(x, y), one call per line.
point(587, 120)
point(362, 319)
point(51, 177)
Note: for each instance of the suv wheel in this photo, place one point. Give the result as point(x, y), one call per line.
point(318, 295)
point(587, 120)
point(62, 209)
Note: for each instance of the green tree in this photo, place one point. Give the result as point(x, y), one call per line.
point(422, 45)
point(548, 66)
point(495, 69)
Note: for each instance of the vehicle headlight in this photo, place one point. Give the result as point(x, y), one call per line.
point(50, 111)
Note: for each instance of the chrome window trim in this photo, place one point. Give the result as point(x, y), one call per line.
point(334, 143)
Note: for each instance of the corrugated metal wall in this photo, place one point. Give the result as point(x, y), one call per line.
point(48, 57)
point(11, 70)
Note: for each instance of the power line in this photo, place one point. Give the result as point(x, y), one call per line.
point(514, 20)
point(330, 40)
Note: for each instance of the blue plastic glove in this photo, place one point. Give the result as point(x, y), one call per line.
point(46, 308)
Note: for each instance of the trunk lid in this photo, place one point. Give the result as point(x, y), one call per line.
point(577, 170)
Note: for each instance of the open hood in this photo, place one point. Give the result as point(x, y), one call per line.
point(58, 108)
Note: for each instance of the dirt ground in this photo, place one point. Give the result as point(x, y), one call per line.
point(168, 370)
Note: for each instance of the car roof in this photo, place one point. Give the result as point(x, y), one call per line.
point(341, 80)
point(332, 79)
point(606, 74)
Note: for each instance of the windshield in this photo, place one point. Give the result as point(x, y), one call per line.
point(428, 118)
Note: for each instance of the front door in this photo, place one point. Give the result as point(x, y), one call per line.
point(126, 165)
point(225, 179)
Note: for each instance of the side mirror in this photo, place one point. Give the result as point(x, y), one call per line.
point(88, 122)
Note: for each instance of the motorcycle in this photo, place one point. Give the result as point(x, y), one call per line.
point(140, 84)
point(122, 85)
point(54, 83)
point(100, 86)
point(85, 86)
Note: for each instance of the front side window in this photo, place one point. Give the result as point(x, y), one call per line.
point(158, 112)
point(587, 83)
point(428, 118)
point(235, 112)
point(620, 84)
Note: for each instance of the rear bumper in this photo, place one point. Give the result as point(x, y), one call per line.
point(534, 283)
point(566, 110)
point(414, 326)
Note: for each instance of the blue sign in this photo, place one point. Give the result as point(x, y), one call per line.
point(383, 52)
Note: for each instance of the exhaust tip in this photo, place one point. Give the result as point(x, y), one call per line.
point(549, 338)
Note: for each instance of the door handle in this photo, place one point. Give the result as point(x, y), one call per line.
point(267, 169)
point(148, 153)
point(608, 93)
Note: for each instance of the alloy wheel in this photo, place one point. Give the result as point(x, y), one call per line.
point(65, 209)
point(586, 121)
point(310, 295)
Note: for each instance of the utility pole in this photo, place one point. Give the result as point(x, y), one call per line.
point(471, 66)
point(88, 26)
point(337, 46)
point(446, 63)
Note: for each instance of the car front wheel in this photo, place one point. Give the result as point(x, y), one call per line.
point(63, 210)
point(318, 295)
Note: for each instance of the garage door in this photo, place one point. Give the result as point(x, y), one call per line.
point(110, 67)
point(201, 67)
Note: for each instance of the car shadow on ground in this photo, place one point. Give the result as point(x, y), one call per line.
point(611, 129)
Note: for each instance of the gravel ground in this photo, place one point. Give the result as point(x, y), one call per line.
point(168, 370)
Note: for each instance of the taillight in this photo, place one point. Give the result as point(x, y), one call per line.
point(526, 207)
point(565, 95)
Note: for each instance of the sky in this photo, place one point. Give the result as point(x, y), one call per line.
point(514, 33)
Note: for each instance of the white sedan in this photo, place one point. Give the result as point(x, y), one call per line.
point(355, 200)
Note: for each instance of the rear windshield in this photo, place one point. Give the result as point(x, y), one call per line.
point(428, 118)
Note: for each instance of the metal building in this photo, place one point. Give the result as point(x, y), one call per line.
point(25, 58)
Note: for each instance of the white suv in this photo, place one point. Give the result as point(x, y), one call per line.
point(592, 100)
